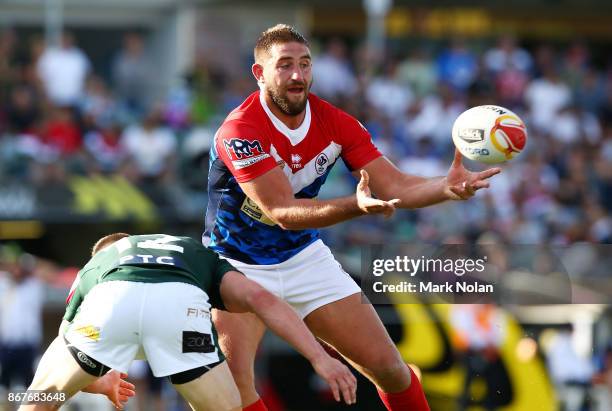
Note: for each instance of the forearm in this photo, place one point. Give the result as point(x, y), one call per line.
point(312, 213)
point(279, 317)
point(418, 192)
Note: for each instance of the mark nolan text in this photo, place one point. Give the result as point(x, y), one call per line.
point(431, 287)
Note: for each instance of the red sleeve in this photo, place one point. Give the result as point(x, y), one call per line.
point(244, 150)
point(357, 146)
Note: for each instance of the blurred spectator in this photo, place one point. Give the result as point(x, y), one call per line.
point(22, 112)
point(510, 85)
point(177, 113)
point(98, 103)
point(387, 94)
point(591, 93)
point(332, 70)
point(133, 74)
point(8, 72)
point(602, 381)
point(151, 145)
point(572, 125)
point(418, 72)
point(62, 132)
point(103, 146)
point(575, 63)
point(433, 117)
point(457, 65)
point(507, 56)
point(21, 299)
point(205, 82)
point(423, 161)
point(478, 334)
point(570, 371)
point(545, 97)
point(63, 71)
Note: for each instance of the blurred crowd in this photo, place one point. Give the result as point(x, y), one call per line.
point(59, 117)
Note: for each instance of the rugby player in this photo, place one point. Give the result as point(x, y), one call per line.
point(151, 296)
point(268, 161)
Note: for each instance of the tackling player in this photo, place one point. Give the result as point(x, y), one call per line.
point(269, 159)
point(150, 296)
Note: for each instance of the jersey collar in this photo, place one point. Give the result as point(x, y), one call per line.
point(294, 136)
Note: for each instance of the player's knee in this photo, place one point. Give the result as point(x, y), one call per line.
point(245, 383)
point(390, 367)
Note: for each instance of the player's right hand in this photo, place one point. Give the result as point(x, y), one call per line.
point(115, 387)
point(370, 205)
point(340, 379)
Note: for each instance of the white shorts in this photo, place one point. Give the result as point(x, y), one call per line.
point(167, 323)
point(308, 280)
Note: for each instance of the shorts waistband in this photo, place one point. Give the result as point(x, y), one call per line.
point(302, 255)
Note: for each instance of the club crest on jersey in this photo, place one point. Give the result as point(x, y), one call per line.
point(243, 153)
point(321, 163)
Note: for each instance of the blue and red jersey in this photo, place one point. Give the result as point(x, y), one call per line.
point(252, 141)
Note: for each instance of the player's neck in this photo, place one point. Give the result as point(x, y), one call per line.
point(293, 122)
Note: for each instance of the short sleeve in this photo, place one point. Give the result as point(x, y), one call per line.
point(244, 150)
point(357, 146)
point(221, 268)
point(74, 299)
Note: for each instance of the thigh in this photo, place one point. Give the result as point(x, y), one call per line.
point(59, 371)
point(353, 328)
point(239, 337)
point(314, 279)
point(213, 391)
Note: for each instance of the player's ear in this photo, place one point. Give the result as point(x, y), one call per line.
point(257, 70)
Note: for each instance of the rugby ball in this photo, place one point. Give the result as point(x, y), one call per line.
point(489, 134)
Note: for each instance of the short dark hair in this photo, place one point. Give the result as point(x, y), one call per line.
point(279, 34)
point(107, 240)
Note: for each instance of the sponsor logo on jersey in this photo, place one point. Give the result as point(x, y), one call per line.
point(198, 313)
point(243, 153)
point(321, 163)
point(471, 135)
point(147, 259)
point(250, 208)
point(89, 331)
point(296, 161)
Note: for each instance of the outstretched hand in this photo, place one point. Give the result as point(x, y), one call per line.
point(340, 379)
point(369, 204)
point(462, 184)
point(114, 386)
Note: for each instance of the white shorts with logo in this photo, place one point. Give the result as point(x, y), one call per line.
point(308, 280)
point(169, 324)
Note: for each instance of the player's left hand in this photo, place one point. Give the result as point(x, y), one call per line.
point(462, 184)
point(114, 386)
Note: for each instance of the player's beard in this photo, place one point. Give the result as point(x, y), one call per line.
point(280, 98)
